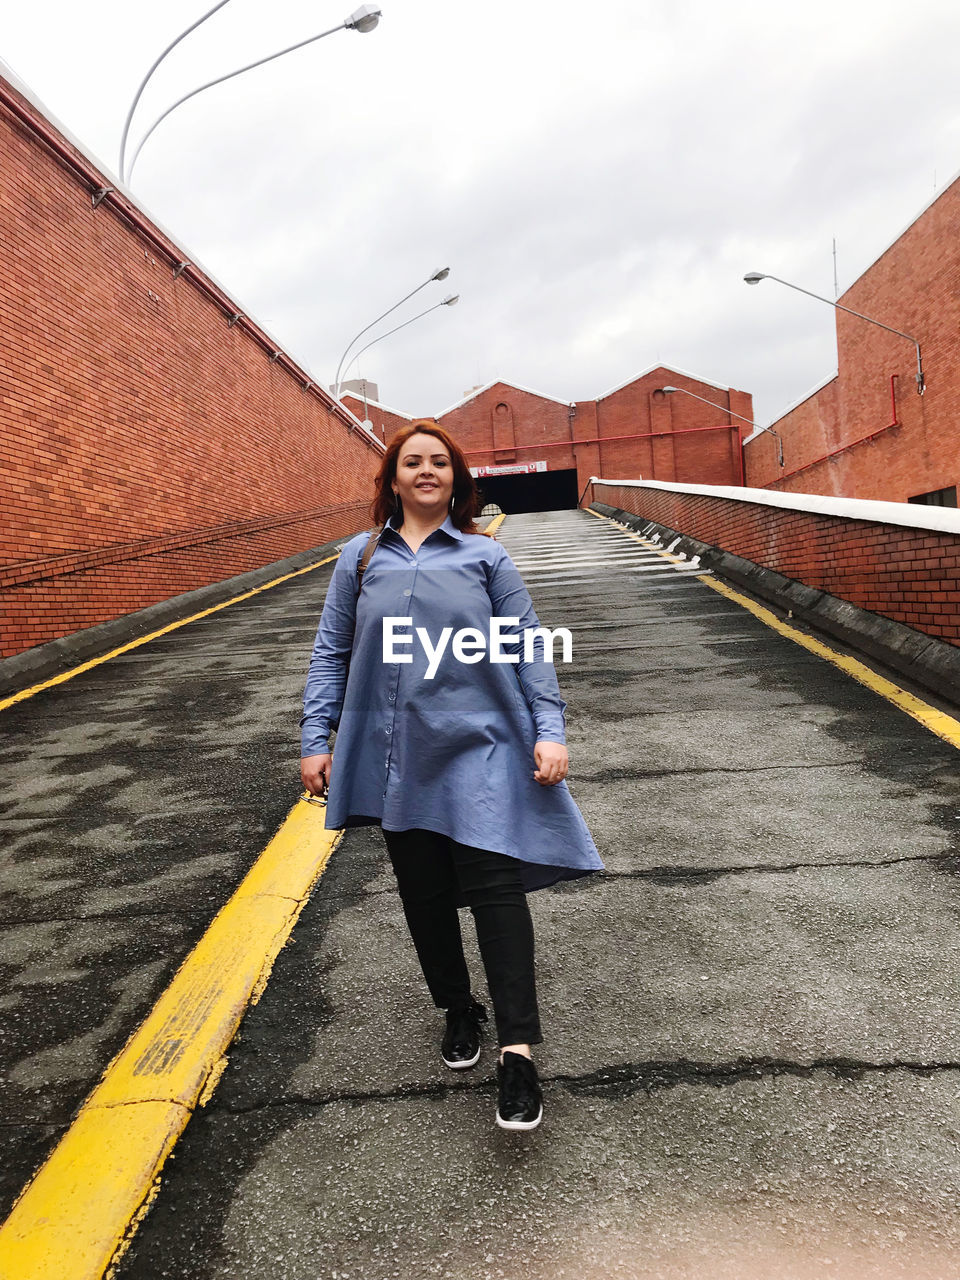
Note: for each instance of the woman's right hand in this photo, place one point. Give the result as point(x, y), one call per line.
point(315, 773)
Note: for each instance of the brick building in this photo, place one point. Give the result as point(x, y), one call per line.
point(159, 440)
point(155, 439)
point(532, 452)
point(865, 432)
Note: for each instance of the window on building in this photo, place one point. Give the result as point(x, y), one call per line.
point(938, 497)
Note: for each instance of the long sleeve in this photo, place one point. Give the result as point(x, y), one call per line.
point(330, 661)
point(538, 679)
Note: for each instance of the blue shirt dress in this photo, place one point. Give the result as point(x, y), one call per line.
point(452, 753)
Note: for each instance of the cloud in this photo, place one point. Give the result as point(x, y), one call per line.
point(598, 181)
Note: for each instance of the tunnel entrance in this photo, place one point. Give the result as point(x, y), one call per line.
point(536, 491)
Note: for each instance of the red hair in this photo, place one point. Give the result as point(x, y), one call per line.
point(465, 497)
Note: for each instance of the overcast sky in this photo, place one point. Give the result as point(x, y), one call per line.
point(598, 177)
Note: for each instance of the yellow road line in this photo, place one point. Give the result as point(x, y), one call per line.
point(938, 722)
point(135, 644)
point(182, 622)
point(80, 1210)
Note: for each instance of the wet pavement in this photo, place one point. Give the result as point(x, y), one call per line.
point(751, 1061)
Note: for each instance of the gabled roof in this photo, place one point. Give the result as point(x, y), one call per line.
point(694, 377)
point(796, 405)
point(500, 382)
point(516, 386)
point(355, 395)
point(903, 231)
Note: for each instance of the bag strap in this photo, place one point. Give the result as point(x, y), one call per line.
point(368, 551)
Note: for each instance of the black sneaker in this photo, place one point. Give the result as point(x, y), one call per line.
point(460, 1046)
point(521, 1101)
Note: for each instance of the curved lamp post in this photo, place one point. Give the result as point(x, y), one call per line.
point(450, 301)
point(723, 409)
point(364, 19)
point(143, 82)
point(754, 277)
point(437, 275)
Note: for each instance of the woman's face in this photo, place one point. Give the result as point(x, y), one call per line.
point(424, 478)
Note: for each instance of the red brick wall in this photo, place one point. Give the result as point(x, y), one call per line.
point(909, 575)
point(665, 436)
point(914, 287)
point(685, 441)
point(808, 431)
point(527, 419)
point(150, 448)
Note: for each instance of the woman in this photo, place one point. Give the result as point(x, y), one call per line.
point(456, 751)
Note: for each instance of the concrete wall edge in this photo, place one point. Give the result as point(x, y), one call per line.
point(870, 510)
point(115, 186)
point(51, 659)
point(930, 663)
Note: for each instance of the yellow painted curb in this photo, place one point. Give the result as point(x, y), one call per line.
point(938, 722)
point(182, 622)
point(83, 1204)
point(135, 644)
point(75, 1212)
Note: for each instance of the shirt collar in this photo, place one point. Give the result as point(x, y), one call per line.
point(448, 527)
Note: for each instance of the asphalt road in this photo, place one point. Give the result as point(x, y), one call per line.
point(751, 1061)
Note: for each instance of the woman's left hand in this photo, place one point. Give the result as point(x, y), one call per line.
point(552, 763)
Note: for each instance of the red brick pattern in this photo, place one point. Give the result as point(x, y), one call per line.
point(914, 287)
point(909, 575)
point(637, 430)
point(501, 418)
point(149, 447)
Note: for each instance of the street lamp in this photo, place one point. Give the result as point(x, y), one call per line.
point(437, 275)
point(143, 82)
point(450, 301)
point(754, 277)
point(723, 409)
point(364, 19)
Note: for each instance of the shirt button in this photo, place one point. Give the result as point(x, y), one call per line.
point(389, 731)
point(391, 697)
point(408, 592)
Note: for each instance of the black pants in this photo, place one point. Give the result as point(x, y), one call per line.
point(434, 875)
